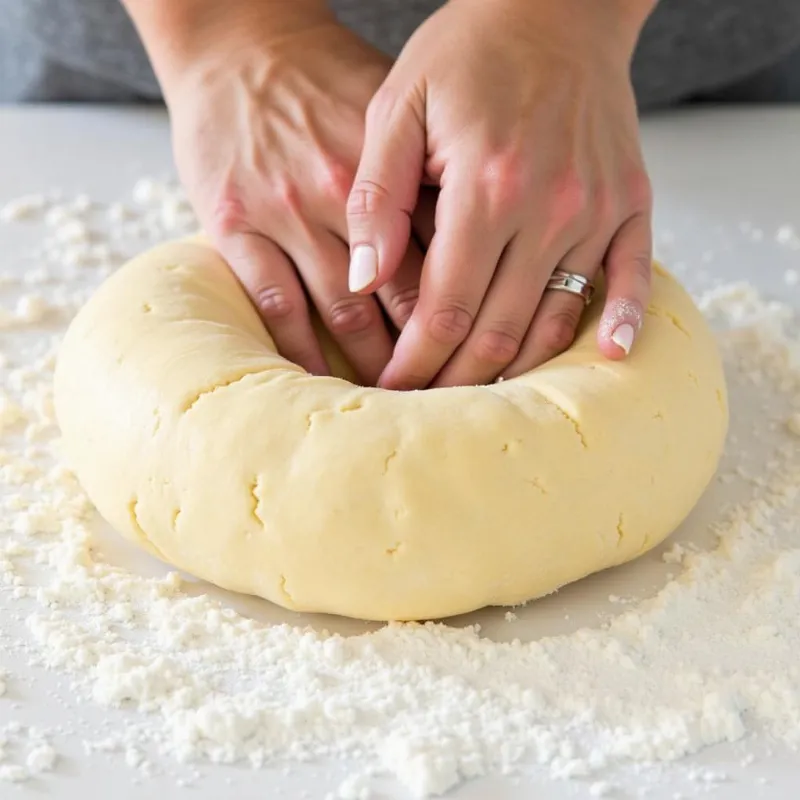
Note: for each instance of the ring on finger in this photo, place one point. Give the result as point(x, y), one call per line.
point(573, 283)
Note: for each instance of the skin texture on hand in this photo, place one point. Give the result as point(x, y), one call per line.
point(522, 113)
point(268, 118)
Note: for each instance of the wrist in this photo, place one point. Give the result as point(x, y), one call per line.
point(179, 34)
point(614, 22)
point(632, 16)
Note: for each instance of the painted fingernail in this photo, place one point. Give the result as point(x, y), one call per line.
point(623, 337)
point(363, 267)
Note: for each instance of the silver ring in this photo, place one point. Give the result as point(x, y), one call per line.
point(573, 283)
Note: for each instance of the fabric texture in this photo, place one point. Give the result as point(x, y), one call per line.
point(89, 50)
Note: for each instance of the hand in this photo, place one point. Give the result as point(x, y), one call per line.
point(267, 132)
point(522, 112)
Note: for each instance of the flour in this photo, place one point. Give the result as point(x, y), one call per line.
point(27, 207)
point(24, 753)
point(787, 235)
point(353, 787)
point(710, 658)
point(10, 413)
point(41, 758)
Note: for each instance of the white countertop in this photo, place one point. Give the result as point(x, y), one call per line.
point(717, 176)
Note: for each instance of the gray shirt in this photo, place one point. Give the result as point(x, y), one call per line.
point(88, 49)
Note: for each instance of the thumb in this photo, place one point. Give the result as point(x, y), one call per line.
point(385, 188)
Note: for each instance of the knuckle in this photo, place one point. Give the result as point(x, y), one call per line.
point(381, 104)
point(605, 208)
point(365, 198)
point(284, 195)
point(634, 264)
point(639, 190)
point(570, 197)
point(642, 264)
point(402, 304)
point(557, 331)
point(336, 180)
point(450, 324)
point(274, 303)
point(385, 103)
point(228, 215)
point(351, 315)
point(497, 347)
point(504, 180)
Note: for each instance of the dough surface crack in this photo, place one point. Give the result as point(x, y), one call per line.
point(567, 416)
point(255, 501)
point(190, 403)
point(388, 460)
point(655, 311)
point(537, 484)
point(133, 514)
point(282, 588)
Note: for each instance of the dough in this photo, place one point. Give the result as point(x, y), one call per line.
point(194, 438)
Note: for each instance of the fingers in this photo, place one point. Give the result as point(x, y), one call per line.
point(457, 272)
point(628, 267)
point(552, 332)
point(400, 295)
point(503, 320)
point(270, 280)
point(558, 313)
point(355, 321)
point(385, 189)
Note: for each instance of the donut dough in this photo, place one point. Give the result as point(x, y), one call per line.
point(196, 440)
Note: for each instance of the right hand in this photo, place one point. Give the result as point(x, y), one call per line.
point(267, 131)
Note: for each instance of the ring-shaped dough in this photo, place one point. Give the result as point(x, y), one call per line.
point(194, 438)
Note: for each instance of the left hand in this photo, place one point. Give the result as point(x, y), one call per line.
point(522, 113)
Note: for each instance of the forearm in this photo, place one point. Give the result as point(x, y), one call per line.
point(176, 33)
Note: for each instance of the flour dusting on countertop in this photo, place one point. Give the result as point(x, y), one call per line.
point(710, 658)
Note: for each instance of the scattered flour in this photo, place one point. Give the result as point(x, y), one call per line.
point(711, 658)
point(13, 773)
point(24, 753)
point(787, 235)
point(42, 758)
point(27, 207)
point(353, 787)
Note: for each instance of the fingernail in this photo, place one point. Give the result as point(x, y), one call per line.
point(623, 337)
point(363, 267)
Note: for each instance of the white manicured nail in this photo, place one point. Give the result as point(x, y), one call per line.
point(623, 337)
point(363, 267)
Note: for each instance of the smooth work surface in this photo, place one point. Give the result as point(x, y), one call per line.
point(717, 176)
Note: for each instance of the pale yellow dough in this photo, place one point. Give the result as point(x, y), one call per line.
point(197, 440)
